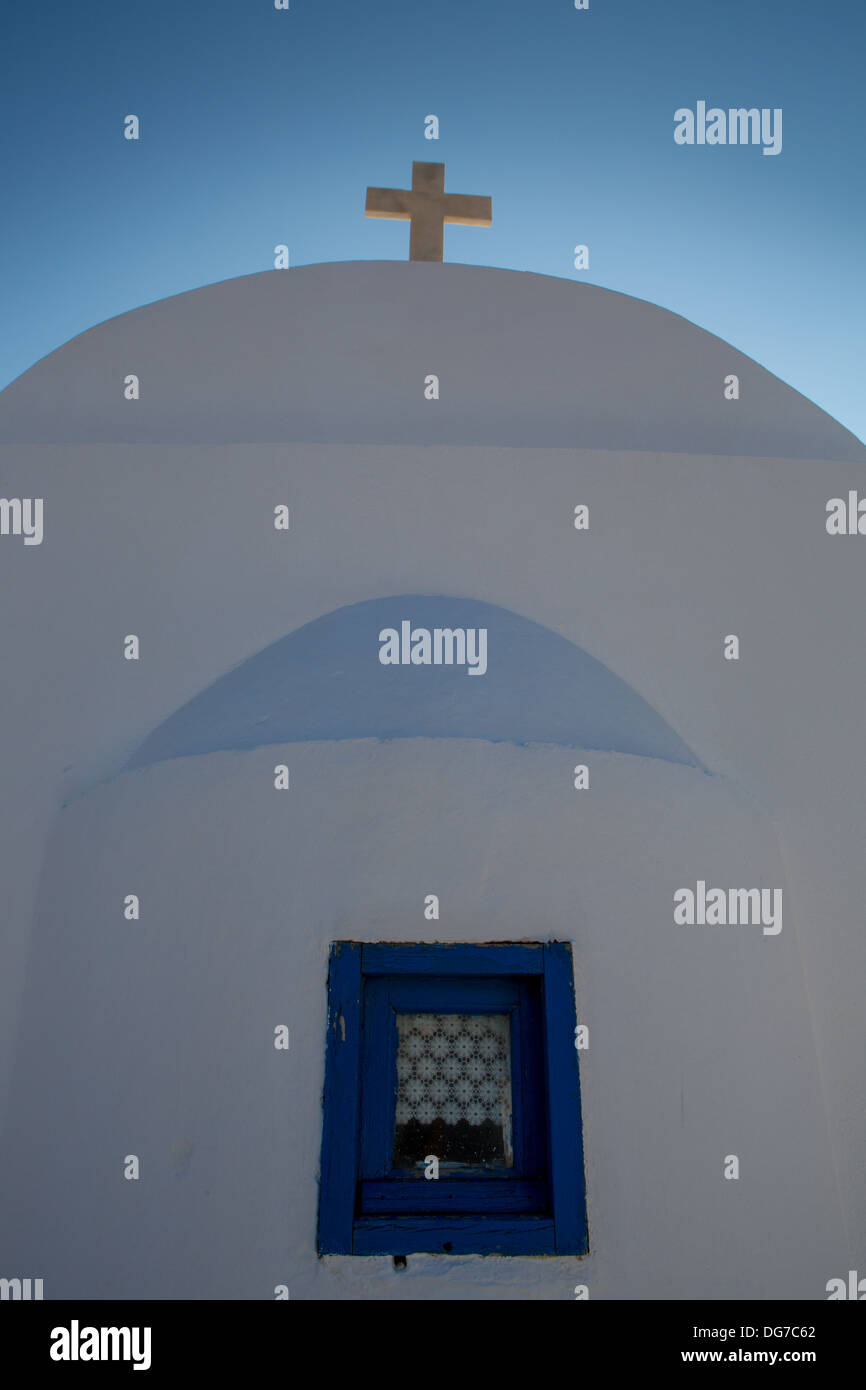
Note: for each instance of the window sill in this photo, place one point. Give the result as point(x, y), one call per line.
point(455, 1235)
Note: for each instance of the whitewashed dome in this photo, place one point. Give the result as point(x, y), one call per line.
point(338, 353)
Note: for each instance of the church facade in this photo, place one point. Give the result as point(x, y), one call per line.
point(469, 606)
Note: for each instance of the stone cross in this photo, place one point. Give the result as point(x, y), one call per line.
point(428, 207)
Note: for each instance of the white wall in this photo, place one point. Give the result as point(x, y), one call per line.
point(155, 1037)
point(177, 545)
point(174, 542)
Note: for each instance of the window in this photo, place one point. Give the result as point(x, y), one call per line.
point(465, 1055)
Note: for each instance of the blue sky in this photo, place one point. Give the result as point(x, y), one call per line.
point(261, 126)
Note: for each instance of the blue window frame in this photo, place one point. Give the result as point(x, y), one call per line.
point(519, 1189)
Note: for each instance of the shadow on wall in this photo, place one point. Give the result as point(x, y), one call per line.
point(418, 666)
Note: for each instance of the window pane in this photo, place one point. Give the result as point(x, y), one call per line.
point(453, 1090)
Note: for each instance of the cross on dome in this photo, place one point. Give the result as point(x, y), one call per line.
point(428, 207)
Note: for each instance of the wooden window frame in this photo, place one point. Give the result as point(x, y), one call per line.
point(538, 1209)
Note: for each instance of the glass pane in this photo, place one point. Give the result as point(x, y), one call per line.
point(453, 1090)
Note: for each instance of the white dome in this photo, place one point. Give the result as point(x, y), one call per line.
point(339, 353)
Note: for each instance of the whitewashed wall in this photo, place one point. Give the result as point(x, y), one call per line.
point(174, 541)
point(700, 1039)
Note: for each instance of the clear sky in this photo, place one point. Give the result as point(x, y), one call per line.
point(261, 127)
